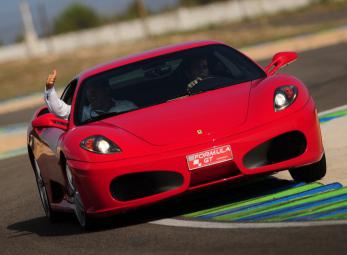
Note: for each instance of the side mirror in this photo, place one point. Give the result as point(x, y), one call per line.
point(49, 120)
point(280, 60)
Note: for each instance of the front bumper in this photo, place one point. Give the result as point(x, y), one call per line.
point(95, 180)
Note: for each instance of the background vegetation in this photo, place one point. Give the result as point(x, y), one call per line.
point(79, 16)
point(198, 2)
point(76, 17)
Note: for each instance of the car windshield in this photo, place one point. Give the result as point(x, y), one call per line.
point(161, 79)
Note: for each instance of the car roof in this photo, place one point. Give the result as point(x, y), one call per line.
point(144, 55)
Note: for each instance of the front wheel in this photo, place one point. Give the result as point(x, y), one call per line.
point(310, 173)
point(82, 217)
point(51, 215)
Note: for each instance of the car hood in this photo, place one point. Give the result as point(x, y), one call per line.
point(197, 118)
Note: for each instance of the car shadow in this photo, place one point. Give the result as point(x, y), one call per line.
point(43, 227)
point(172, 208)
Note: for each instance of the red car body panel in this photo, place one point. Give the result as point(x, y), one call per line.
point(95, 178)
point(241, 116)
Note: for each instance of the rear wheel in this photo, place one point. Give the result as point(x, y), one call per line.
point(310, 173)
point(51, 215)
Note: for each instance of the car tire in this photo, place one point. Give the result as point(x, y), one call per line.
point(50, 214)
point(82, 217)
point(310, 173)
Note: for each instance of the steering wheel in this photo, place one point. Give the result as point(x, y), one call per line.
point(96, 112)
point(198, 81)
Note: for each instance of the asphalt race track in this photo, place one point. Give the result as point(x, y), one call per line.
point(24, 229)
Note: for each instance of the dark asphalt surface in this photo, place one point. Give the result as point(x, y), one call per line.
point(21, 116)
point(24, 230)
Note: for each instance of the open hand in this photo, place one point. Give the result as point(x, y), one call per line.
point(51, 79)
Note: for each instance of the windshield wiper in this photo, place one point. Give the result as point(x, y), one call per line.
point(176, 98)
point(226, 84)
point(203, 90)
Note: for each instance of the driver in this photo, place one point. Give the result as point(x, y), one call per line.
point(101, 101)
point(196, 71)
point(98, 96)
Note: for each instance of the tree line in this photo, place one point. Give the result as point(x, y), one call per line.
point(78, 16)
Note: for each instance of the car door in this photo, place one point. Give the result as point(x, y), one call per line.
point(46, 144)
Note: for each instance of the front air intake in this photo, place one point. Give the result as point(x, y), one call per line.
point(139, 185)
point(278, 149)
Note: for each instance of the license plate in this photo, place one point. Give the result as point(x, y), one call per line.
point(209, 157)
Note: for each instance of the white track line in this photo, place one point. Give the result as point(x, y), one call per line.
point(339, 108)
point(230, 225)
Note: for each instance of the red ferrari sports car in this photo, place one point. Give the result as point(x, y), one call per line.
point(202, 114)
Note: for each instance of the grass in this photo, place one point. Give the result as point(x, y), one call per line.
point(26, 76)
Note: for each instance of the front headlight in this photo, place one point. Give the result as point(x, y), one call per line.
point(284, 97)
point(99, 144)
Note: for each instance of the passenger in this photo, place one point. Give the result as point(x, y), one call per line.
point(98, 97)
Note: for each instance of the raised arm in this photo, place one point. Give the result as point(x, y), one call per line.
point(55, 105)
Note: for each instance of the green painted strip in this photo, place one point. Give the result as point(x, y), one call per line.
point(340, 216)
point(255, 200)
point(317, 209)
point(335, 114)
point(252, 212)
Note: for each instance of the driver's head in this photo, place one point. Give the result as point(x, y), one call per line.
point(197, 67)
point(98, 95)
